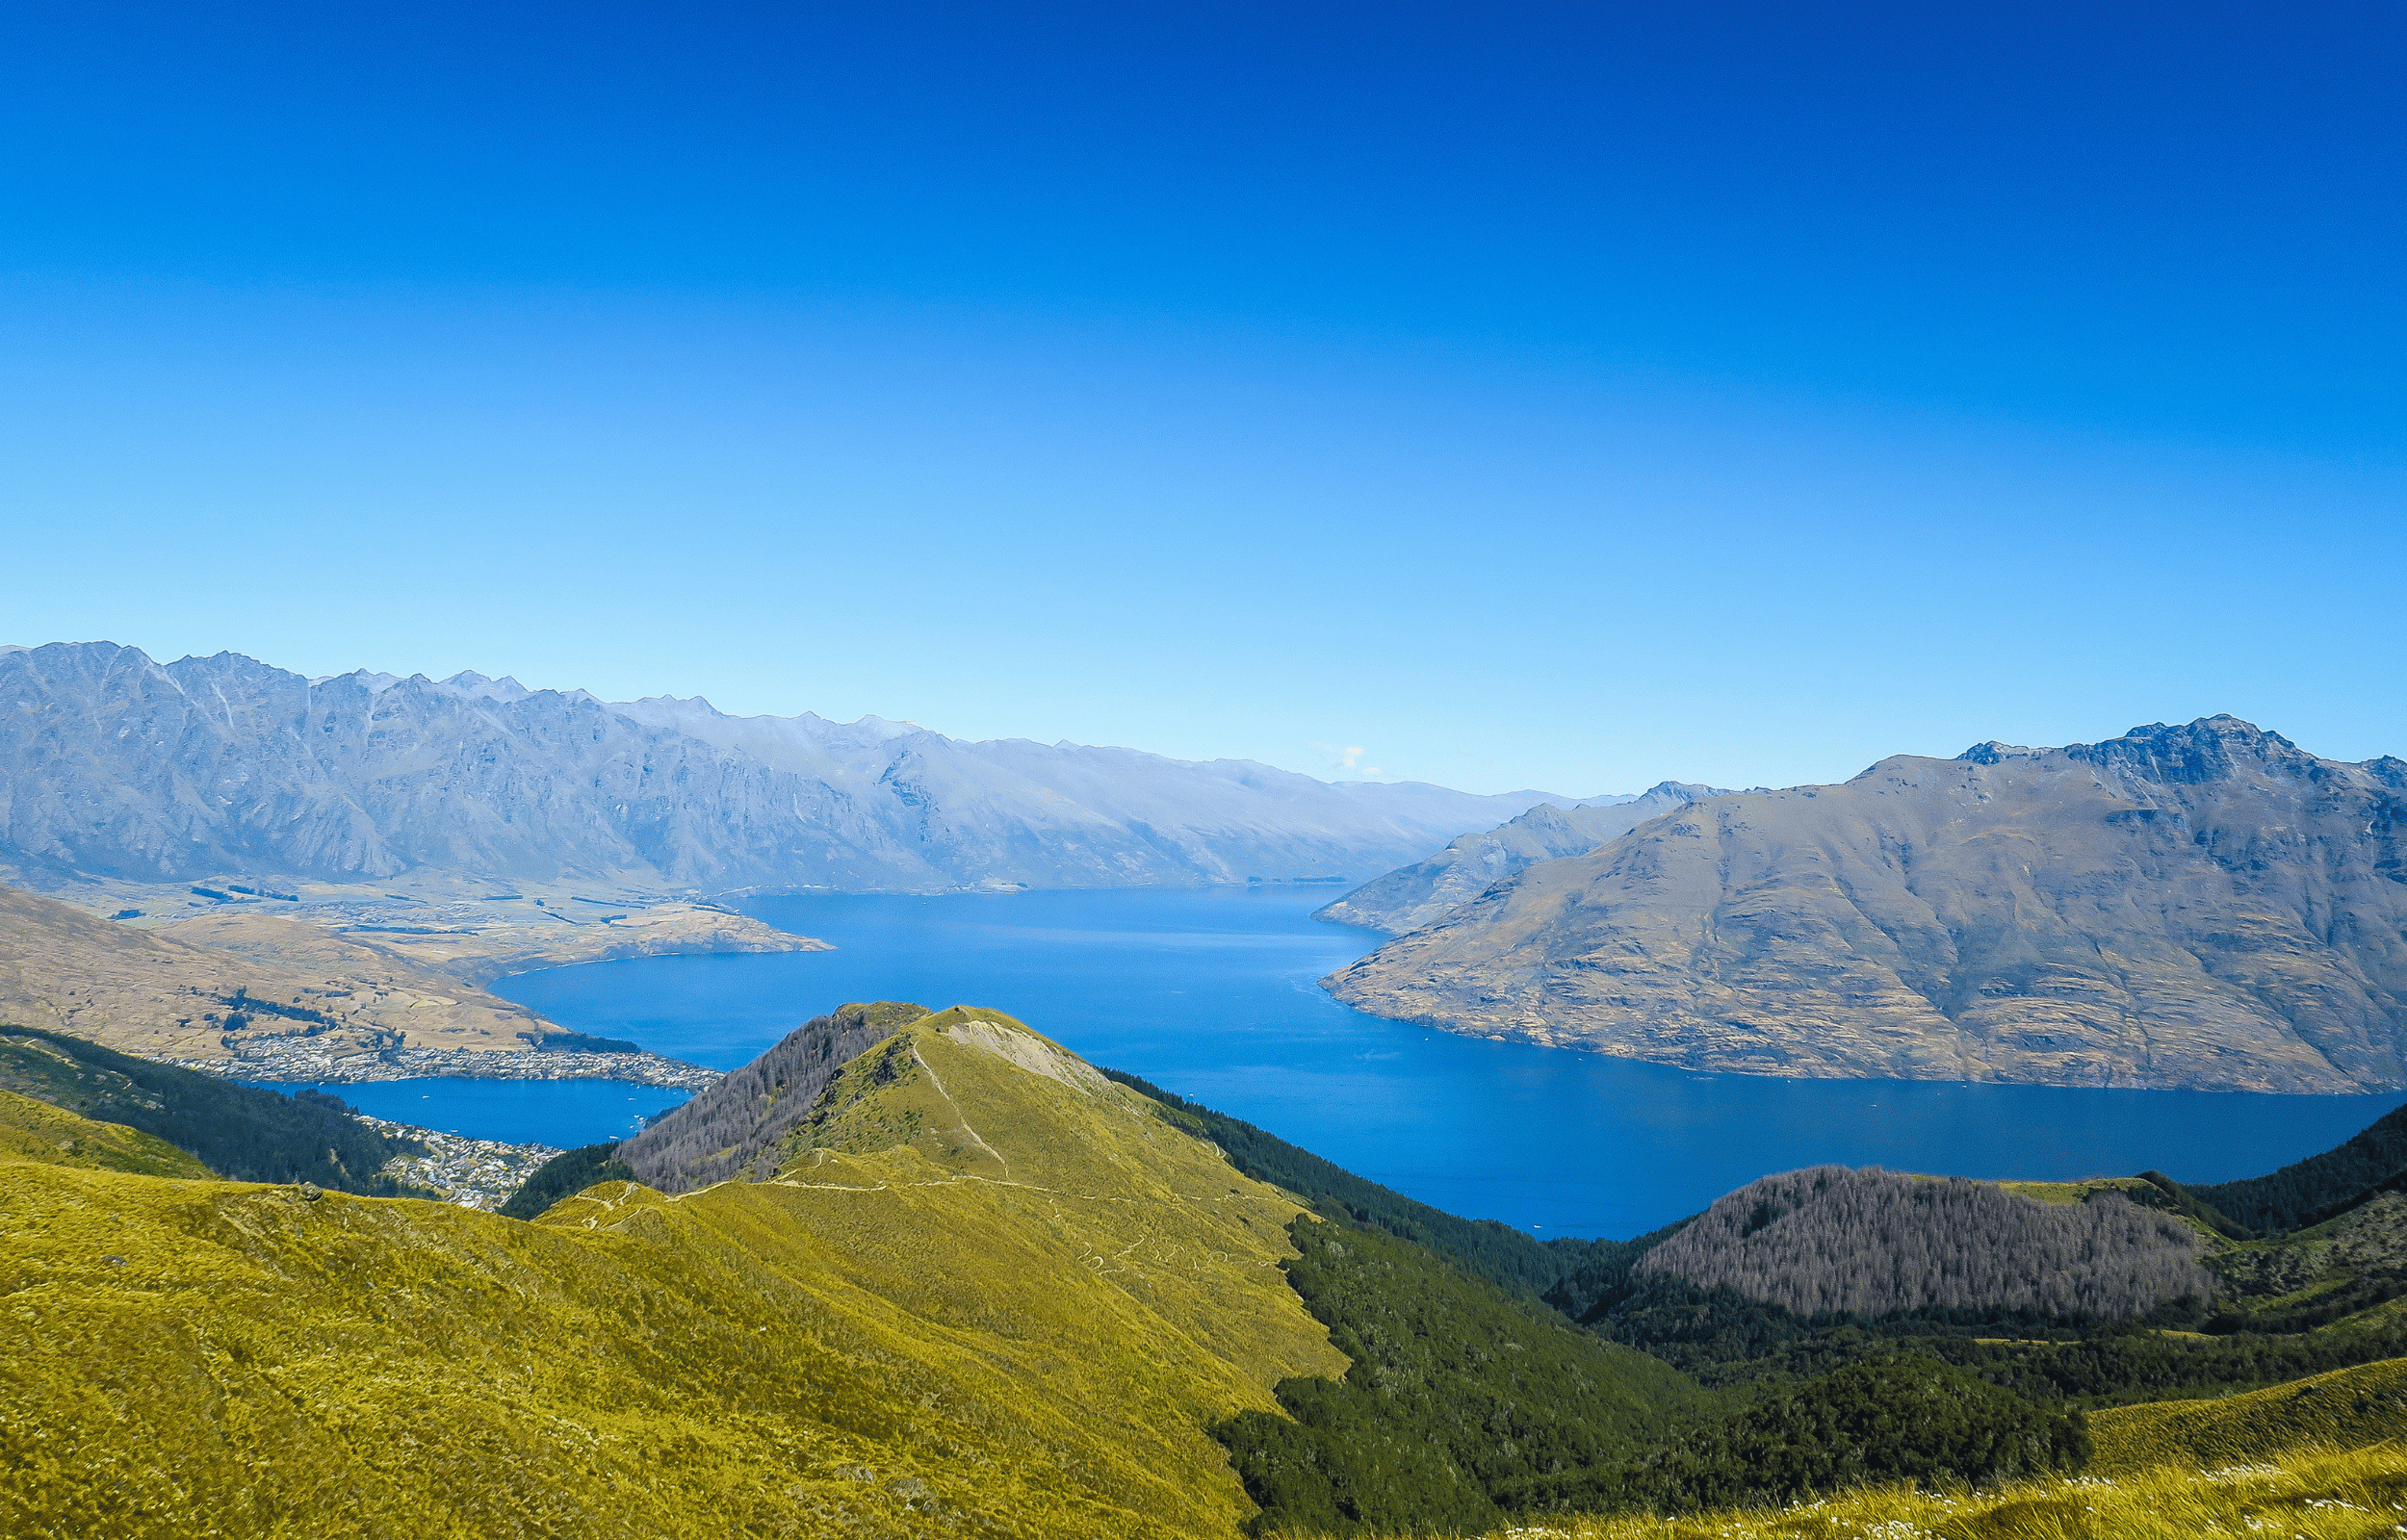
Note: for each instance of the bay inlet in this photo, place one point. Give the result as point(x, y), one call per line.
point(1211, 993)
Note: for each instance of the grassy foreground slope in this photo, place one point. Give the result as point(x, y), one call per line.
point(2344, 1409)
point(994, 1295)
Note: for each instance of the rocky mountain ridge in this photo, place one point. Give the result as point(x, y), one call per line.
point(114, 767)
point(2203, 906)
point(1424, 892)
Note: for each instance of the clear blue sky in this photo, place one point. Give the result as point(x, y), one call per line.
point(1567, 395)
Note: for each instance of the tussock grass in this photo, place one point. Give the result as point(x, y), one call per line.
point(1016, 1322)
point(2348, 1408)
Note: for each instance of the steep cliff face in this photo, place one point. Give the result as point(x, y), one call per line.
point(112, 766)
point(2203, 906)
point(1424, 892)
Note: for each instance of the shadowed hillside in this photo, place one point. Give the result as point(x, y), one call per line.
point(35, 1130)
point(741, 1126)
point(2320, 1185)
point(240, 1132)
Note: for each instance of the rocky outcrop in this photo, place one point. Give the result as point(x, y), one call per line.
point(1423, 893)
point(114, 767)
point(2201, 906)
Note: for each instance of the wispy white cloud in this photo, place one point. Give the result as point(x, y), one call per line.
point(1348, 760)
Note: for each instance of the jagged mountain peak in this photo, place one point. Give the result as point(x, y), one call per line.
point(474, 686)
point(2210, 748)
point(1994, 752)
point(227, 763)
point(2186, 753)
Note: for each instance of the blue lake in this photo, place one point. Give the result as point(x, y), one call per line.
point(560, 1112)
point(1211, 995)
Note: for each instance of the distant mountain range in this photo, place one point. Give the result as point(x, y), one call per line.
point(1423, 893)
point(2201, 906)
point(116, 767)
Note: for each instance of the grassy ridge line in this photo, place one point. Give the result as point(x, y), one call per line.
point(998, 1297)
point(1489, 1250)
point(2295, 1194)
point(32, 1130)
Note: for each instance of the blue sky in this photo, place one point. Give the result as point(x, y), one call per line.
point(1567, 395)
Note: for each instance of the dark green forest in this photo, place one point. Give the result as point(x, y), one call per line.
point(1460, 1396)
point(1430, 1432)
point(240, 1132)
point(1907, 1418)
point(565, 1174)
point(2317, 1188)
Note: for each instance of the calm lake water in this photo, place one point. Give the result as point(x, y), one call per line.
point(560, 1112)
point(1211, 995)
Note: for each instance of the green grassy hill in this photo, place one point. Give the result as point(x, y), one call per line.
point(986, 1290)
point(994, 1295)
point(2347, 1409)
point(37, 1131)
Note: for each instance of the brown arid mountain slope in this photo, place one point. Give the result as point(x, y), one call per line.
point(312, 1004)
point(488, 945)
point(2197, 905)
point(1423, 893)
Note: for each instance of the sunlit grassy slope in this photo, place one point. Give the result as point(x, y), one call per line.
point(2347, 1408)
point(994, 1295)
point(36, 1131)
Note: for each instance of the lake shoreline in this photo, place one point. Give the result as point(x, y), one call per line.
point(1214, 994)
